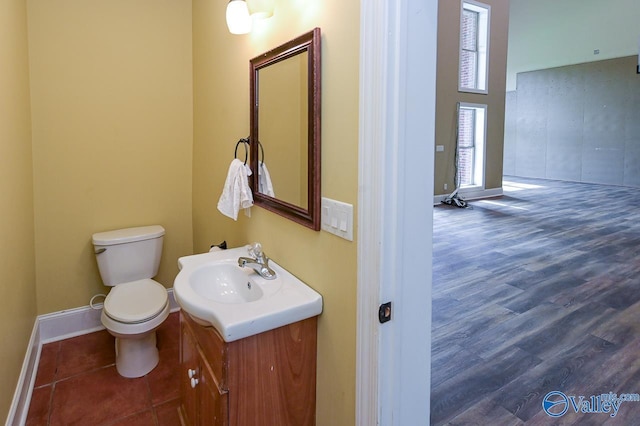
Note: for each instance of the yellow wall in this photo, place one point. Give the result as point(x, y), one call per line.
point(111, 93)
point(17, 285)
point(221, 116)
point(447, 94)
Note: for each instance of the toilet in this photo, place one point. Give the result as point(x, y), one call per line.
point(136, 305)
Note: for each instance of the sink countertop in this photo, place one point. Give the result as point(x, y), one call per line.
point(283, 301)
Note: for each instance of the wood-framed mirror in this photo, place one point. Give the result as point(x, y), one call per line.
point(285, 129)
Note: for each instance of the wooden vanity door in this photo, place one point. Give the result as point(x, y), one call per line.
point(213, 402)
point(188, 361)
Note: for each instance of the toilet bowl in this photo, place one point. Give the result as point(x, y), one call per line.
point(132, 312)
point(136, 305)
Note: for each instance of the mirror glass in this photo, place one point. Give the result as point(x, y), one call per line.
point(285, 129)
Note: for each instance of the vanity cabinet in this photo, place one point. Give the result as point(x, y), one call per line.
point(268, 379)
point(203, 402)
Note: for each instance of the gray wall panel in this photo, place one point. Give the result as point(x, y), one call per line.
point(577, 123)
point(632, 162)
point(603, 164)
point(632, 137)
point(531, 147)
point(532, 125)
point(510, 133)
point(565, 116)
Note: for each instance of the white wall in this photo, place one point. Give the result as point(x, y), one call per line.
point(551, 33)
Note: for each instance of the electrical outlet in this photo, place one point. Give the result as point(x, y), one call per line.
point(439, 148)
point(445, 186)
point(337, 218)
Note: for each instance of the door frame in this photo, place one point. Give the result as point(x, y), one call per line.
point(398, 41)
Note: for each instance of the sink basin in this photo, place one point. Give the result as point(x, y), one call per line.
point(225, 282)
point(238, 302)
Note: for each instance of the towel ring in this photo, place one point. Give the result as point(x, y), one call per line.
point(246, 149)
point(245, 141)
point(261, 152)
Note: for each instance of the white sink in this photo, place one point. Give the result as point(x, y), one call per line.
point(225, 282)
point(238, 302)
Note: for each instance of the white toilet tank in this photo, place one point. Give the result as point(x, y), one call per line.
point(130, 254)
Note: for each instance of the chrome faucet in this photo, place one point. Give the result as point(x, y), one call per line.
point(259, 262)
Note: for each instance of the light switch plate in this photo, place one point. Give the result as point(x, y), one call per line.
point(337, 218)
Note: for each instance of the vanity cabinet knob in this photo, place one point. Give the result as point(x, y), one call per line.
point(194, 382)
point(192, 373)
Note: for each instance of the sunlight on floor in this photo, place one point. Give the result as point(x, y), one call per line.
point(517, 186)
point(495, 203)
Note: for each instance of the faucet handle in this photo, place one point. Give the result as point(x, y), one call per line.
point(255, 250)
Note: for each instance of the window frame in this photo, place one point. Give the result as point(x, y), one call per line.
point(483, 38)
point(479, 144)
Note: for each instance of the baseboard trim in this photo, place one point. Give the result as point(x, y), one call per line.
point(49, 328)
point(474, 194)
point(22, 396)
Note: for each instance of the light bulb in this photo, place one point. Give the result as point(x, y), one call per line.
point(238, 18)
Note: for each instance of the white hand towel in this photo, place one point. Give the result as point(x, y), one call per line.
point(236, 193)
point(266, 187)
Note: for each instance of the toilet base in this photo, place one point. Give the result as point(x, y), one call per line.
point(137, 356)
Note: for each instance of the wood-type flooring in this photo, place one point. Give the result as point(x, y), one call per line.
point(533, 292)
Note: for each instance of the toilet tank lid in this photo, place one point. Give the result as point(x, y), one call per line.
point(127, 235)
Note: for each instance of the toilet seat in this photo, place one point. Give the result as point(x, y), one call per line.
point(136, 302)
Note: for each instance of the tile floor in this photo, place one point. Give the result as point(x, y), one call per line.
point(77, 383)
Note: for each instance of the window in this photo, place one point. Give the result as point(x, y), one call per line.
point(474, 47)
point(471, 145)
